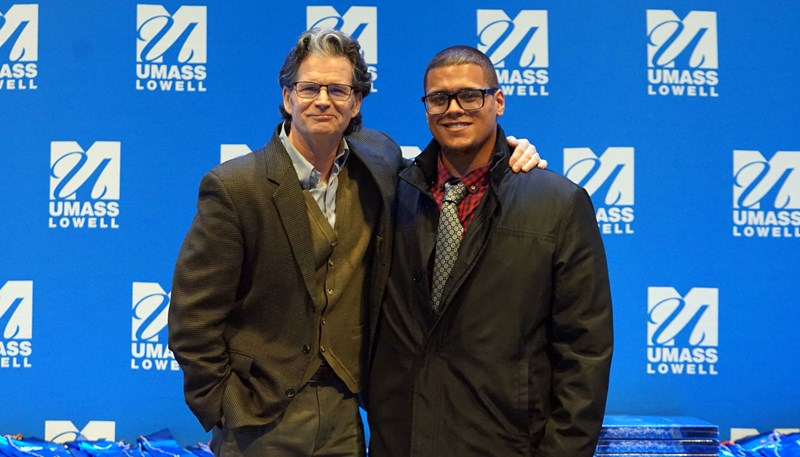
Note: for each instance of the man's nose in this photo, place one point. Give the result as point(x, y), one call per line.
point(453, 103)
point(323, 99)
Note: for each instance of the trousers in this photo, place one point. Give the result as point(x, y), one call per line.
point(323, 420)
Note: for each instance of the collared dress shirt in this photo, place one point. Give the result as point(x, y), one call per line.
point(311, 179)
point(477, 181)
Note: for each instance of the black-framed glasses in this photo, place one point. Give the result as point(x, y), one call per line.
point(310, 89)
point(467, 99)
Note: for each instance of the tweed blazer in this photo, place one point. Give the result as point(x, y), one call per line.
point(242, 305)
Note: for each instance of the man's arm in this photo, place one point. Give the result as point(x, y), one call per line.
point(203, 292)
point(582, 335)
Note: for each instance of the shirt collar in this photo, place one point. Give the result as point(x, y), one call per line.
point(309, 176)
point(474, 180)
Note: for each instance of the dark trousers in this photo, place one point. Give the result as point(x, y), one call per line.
point(322, 420)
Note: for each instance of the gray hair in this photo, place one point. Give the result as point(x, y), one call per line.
point(327, 43)
point(462, 55)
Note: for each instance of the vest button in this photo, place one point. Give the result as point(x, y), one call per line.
point(322, 349)
point(290, 392)
point(306, 348)
point(330, 263)
point(330, 291)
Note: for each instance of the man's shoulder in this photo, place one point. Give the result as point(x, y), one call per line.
point(538, 180)
point(256, 159)
point(539, 190)
point(376, 147)
point(370, 137)
point(240, 164)
point(541, 200)
point(244, 172)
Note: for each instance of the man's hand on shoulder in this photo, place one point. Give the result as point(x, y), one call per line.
point(525, 157)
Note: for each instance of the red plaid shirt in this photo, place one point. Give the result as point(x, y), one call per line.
point(477, 181)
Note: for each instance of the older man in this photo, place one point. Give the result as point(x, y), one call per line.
point(495, 335)
point(268, 311)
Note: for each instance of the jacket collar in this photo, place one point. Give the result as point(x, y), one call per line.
point(278, 160)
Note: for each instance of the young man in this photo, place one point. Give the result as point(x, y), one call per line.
point(495, 334)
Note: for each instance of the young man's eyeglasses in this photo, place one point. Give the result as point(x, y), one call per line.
point(310, 89)
point(467, 99)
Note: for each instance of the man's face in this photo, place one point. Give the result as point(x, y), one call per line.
point(457, 130)
point(322, 116)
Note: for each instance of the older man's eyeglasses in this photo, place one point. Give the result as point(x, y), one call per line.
point(309, 89)
point(467, 99)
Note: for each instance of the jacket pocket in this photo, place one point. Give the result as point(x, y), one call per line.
point(523, 404)
point(241, 364)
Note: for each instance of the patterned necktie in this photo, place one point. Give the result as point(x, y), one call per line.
point(448, 239)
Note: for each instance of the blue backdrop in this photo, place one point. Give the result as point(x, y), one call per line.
point(680, 118)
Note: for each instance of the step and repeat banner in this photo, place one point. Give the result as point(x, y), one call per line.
point(681, 119)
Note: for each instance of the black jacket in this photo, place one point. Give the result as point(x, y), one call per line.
point(517, 363)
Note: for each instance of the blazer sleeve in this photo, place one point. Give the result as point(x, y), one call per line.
point(203, 294)
point(582, 334)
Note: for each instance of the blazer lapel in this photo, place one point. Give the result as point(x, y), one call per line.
point(290, 203)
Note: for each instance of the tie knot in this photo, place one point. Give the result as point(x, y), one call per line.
point(454, 192)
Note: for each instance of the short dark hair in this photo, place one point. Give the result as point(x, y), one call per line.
point(327, 43)
point(462, 55)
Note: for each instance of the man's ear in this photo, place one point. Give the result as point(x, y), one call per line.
point(287, 99)
point(500, 102)
point(357, 104)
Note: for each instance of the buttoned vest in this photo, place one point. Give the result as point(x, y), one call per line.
point(343, 257)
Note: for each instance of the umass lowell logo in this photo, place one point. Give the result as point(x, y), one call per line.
point(609, 181)
point(84, 185)
point(682, 334)
point(62, 431)
point(16, 324)
point(682, 55)
point(358, 22)
point(149, 310)
point(171, 49)
point(19, 47)
point(766, 194)
point(518, 48)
